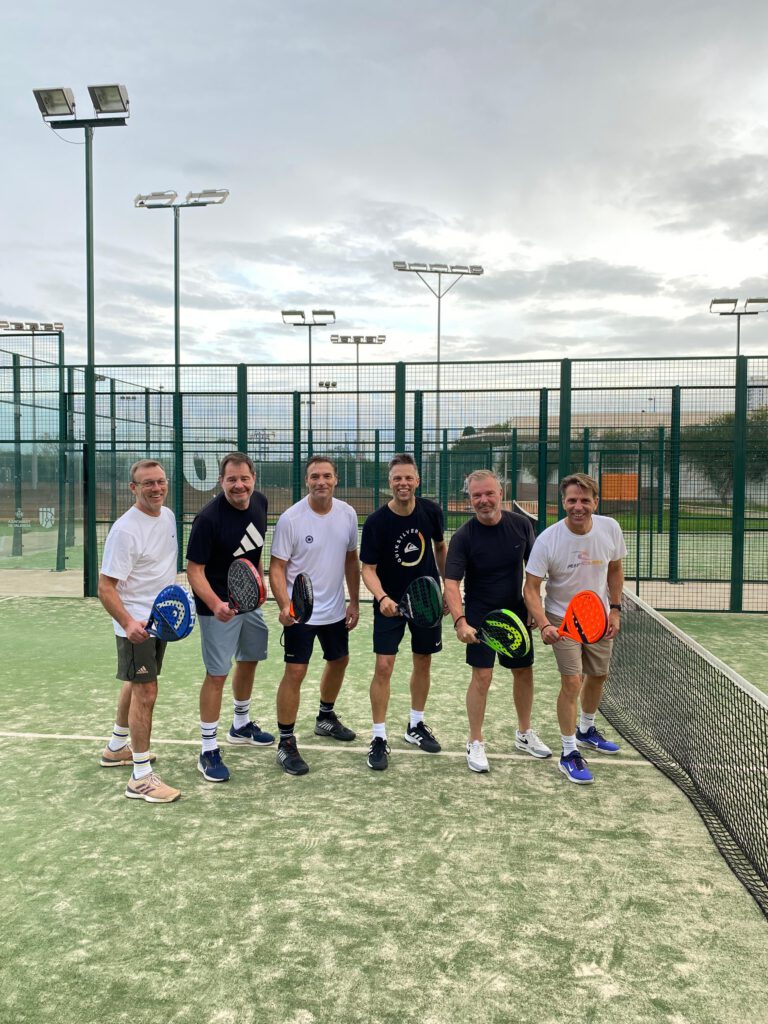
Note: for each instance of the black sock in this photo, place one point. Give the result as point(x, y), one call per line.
point(326, 709)
point(286, 731)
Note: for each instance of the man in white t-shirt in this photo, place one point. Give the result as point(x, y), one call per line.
point(139, 559)
point(583, 551)
point(316, 536)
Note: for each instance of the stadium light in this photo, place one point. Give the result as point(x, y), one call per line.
point(730, 307)
point(457, 271)
point(298, 318)
point(357, 340)
point(55, 104)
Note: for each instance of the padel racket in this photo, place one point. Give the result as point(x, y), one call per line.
point(505, 633)
point(245, 586)
point(585, 618)
point(302, 598)
point(422, 602)
point(173, 614)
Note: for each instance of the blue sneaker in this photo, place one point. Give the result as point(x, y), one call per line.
point(250, 734)
point(592, 740)
point(211, 767)
point(574, 768)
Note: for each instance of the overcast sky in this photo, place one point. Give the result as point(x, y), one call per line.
point(604, 161)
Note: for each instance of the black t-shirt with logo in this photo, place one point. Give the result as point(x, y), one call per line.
point(401, 546)
point(220, 534)
point(490, 561)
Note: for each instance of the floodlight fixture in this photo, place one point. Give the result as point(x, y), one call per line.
point(294, 317)
point(760, 304)
point(459, 268)
point(208, 197)
point(31, 327)
point(298, 318)
point(400, 265)
point(156, 200)
point(724, 307)
point(55, 102)
point(323, 317)
point(438, 268)
point(418, 267)
point(730, 307)
point(357, 340)
point(110, 99)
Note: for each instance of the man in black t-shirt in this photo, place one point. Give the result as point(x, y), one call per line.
point(401, 541)
point(232, 525)
point(488, 553)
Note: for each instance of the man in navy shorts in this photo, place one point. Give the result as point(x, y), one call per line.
point(401, 541)
point(316, 536)
point(488, 553)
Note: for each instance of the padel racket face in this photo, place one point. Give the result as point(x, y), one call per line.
point(302, 598)
point(245, 586)
point(173, 614)
point(505, 633)
point(585, 618)
point(422, 602)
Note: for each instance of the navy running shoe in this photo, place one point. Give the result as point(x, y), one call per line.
point(574, 768)
point(211, 767)
point(593, 740)
point(250, 734)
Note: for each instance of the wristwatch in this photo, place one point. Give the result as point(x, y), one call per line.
point(615, 607)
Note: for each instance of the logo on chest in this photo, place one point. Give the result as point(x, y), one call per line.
point(409, 548)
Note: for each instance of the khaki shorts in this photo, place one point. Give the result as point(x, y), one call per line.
point(575, 659)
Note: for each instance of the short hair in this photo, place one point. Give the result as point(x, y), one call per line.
point(403, 459)
point(235, 457)
point(482, 474)
point(582, 480)
point(321, 458)
point(143, 464)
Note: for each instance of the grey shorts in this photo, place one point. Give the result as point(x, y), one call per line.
point(243, 638)
point(575, 659)
point(139, 663)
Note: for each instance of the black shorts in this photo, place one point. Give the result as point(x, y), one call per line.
point(388, 631)
point(299, 640)
point(482, 656)
point(139, 663)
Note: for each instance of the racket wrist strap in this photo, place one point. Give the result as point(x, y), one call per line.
point(458, 620)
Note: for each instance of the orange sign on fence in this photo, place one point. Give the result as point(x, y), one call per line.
point(618, 487)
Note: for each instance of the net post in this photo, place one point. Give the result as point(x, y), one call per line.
point(296, 475)
point(564, 453)
point(674, 485)
point(418, 431)
point(400, 407)
point(739, 485)
point(242, 407)
point(542, 463)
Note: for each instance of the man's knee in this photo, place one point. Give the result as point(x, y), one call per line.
point(144, 694)
point(570, 685)
point(481, 679)
point(385, 664)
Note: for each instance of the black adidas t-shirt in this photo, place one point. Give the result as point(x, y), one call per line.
point(220, 534)
point(490, 561)
point(401, 546)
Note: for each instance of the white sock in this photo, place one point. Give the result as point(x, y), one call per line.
point(208, 733)
point(379, 730)
point(240, 717)
point(521, 733)
point(141, 765)
point(586, 722)
point(569, 744)
point(416, 717)
point(119, 737)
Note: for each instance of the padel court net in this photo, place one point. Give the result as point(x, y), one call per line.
point(702, 725)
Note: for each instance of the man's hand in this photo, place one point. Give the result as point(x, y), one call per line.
point(467, 634)
point(353, 614)
point(614, 624)
point(285, 618)
point(223, 612)
point(135, 631)
point(388, 607)
point(550, 635)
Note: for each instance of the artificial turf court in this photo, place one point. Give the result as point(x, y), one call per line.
point(424, 893)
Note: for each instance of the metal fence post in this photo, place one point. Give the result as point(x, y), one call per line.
point(564, 448)
point(112, 451)
point(70, 456)
point(418, 430)
point(542, 457)
point(90, 544)
point(61, 529)
point(400, 408)
point(738, 520)
point(513, 465)
point(296, 474)
point(17, 545)
point(242, 407)
point(660, 484)
point(376, 471)
point(178, 474)
point(586, 453)
point(443, 498)
point(674, 485)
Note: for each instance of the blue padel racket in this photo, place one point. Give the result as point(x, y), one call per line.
point(422, 602)
point(302, 598)
point(245, 586)
point(505, 633)
point(173, 614)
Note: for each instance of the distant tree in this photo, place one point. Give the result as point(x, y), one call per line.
point(708, 448)
point(468, 431)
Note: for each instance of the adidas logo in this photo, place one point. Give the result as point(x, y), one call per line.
point(250, 540)
point(143, 671)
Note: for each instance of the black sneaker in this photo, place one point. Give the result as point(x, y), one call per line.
point(289, 758)
point(422, 737)
point(377, 754)
point(332, 726)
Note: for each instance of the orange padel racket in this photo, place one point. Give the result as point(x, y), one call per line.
point(585, 618)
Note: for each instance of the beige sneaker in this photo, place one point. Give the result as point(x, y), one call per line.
point(111, 758)
point(152, 789)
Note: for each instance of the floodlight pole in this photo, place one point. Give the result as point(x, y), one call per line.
point(298, 318)
point(357, 340)
point(730, 309)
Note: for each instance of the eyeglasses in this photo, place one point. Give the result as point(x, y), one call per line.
point(147, 484)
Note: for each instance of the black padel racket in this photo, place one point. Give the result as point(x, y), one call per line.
point(505, 633)
point(245, 586)
point(302, 598)
point(422, 602)
point(173, 614)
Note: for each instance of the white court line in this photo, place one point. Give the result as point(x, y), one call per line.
point(7, 599)
point(338, 747)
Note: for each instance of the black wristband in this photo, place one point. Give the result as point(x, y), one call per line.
point(458, 620)
point(615, 607)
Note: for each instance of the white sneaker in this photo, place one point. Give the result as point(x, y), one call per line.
point(531, 744)
point(476, 759)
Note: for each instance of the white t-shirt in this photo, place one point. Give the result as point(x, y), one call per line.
point(317, 545)
point(140, 552)
point(571, 562)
